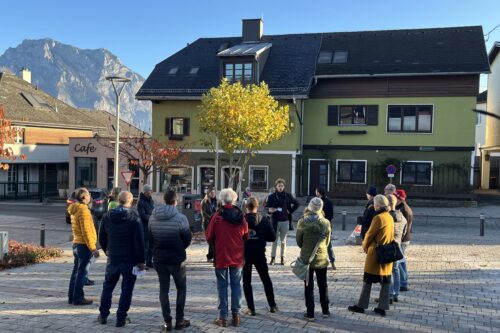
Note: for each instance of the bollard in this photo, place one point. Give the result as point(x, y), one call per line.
point(481, 224)
point(344, 215)
point(42, 235)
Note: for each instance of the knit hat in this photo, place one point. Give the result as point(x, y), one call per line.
point(372, 190)
point(401, 194)
point(147, 188)
point(315, 205)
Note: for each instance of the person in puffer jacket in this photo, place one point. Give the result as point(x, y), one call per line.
point(170, 235)
point(227, 231)
point(260, 231)
point(121, 238)
point(399, 230)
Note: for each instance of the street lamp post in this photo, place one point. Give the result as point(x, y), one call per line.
point(118, 83)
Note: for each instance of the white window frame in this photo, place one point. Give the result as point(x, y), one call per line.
point(432, 173)
point(12, 178)
point(309, 173)
point(410, 133)
point(346, 160)
point(250, 176)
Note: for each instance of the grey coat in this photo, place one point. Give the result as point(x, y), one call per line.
point(399, 226)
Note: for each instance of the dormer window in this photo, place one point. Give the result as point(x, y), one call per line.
point(242, 72)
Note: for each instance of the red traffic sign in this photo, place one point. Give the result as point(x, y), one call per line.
point(391, 169)
point(127, 176)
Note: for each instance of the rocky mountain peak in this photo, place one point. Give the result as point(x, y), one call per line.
point(77, 76)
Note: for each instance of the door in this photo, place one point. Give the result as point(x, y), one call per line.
point(318, 175)
point(207, 178)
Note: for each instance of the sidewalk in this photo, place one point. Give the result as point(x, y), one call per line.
point(454, 287)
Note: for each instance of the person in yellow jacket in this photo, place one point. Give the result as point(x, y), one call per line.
point(381, 232)
point(84, 245)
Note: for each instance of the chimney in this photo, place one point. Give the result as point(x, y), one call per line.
point(253, 29)
point(26, 74)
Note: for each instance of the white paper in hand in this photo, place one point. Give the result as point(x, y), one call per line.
point(138, 272)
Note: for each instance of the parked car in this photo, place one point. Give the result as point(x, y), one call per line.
point(100, 198)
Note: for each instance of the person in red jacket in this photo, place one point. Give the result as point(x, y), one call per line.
point(227, 231)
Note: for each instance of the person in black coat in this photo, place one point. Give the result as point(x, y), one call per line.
point(260, 231)
point(121, 238)
point(280, 204)
point(145, 206)
point(328, 213)
point(369, 213)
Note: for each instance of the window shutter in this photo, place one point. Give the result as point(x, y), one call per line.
point(168, 125)
point(372, 115)
point(186, 127)
point(333, 115)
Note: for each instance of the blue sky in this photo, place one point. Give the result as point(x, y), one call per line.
point(142, 33)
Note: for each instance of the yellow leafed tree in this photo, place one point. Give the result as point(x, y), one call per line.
point(244, 119)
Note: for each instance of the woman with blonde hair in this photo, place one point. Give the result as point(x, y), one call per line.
point(381, 232)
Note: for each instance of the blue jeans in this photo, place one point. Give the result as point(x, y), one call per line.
point(403, 270)
point(81, 264)
point(115, 267)
point(148, 250)
point(395, 280)
point(233, 274)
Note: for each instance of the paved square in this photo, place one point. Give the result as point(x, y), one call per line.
point(454, 287)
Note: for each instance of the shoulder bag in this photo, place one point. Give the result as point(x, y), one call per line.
point(389, 253)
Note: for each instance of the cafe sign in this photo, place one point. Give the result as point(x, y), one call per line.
point(89, 148)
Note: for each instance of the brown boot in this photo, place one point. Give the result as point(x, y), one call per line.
point(168, 326)
point(220, 322)
point(236, 320)
point(183, 323)
point(272, 261)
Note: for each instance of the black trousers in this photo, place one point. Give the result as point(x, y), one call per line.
point(323, 291)
point(260, 262)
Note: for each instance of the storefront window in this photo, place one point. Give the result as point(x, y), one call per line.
point(133, 165)
point(178, 178)
point(86, 172)
point(111, 172)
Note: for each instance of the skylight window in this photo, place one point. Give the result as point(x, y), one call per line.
point(173, 70)
point(325, 57)
point(340, 57)
point(194, 70)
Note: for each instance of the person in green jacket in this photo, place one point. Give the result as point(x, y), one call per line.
point(113, 202)
point(312, 228)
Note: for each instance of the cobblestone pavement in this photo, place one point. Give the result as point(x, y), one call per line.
point(454, 287)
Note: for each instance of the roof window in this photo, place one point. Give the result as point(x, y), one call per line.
point(173, 70)
point(325, 57)
point(194, 70)
point(340, 57)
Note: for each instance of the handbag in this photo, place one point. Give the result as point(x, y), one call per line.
point(301, 268)
point(389, 253)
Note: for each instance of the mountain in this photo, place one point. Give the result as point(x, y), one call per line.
point(77, 77)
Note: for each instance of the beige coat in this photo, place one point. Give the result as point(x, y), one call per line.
point(381, 232)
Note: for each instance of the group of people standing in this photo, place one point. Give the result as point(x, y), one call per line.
point(157, 236)
point(386, 218)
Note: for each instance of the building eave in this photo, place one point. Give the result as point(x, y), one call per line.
point(340, 76)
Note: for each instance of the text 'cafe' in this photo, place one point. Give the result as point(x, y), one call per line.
point(91, 165)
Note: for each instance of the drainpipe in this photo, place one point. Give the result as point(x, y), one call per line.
point(301, 142)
